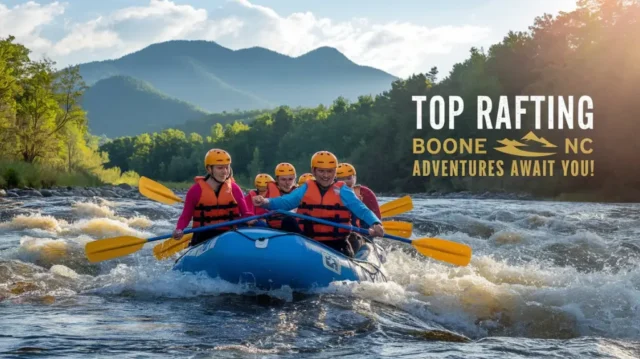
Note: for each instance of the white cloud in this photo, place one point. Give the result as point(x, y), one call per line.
point(87, 36)
point(132, 28)
point(25, 22)
point(159, 21)
point(398, 47)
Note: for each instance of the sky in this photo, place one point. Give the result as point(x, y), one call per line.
point(402, 37)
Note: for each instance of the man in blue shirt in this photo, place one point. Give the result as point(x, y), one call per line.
point(329, 200)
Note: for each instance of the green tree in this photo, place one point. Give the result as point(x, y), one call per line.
point(433, 75)
point(13, 60)
point(256, 165)
point(37, 112)
point(42, 122)
point(140, 159)
point(217, 133)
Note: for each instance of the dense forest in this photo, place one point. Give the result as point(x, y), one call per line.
point(203, 125)
point(43, 128)
point(590, 51)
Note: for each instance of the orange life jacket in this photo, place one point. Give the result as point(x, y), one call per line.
point(272, 192)
point(328, 207)
point(212, 209)
point(257, 210)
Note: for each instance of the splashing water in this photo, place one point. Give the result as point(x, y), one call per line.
point(546, 278)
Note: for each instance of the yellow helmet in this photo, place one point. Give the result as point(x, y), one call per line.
point(285, 169)
point(304, 178)
point(263, 179)
point(324, 159)
point(345, 170)
point(216, 157)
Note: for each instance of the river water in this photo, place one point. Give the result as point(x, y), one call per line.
point(547, 279)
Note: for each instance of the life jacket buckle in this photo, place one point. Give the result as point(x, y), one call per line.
point(262, 242)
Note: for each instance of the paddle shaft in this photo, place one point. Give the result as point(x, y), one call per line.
point(343, 226)
point(213, 226)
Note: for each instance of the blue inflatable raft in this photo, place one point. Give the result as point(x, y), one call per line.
point(270, 259)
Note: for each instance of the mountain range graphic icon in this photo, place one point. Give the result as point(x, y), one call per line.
point(531, 141)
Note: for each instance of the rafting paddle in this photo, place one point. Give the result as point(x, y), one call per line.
point(110, 248)
point(396, 207)
point(398, 228)
point(158, 192)
point(170, 247)
point(436, 248)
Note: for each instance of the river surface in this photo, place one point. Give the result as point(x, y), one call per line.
point(547, 279)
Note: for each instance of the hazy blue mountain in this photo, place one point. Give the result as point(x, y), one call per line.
point(215, 79)
point(122, 105)
point(219, 79)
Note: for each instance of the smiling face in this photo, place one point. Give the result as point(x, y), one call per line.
point(285, 183)
point(324, 176)
point(219, 172)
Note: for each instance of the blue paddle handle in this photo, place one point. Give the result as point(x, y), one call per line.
point(343, 226)
point(214, 226)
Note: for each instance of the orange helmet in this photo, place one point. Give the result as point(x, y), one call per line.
point(304, 178)
point(217, 156)
point(263, 179)
point(324, 159)
point(345, 170)
point(285, 169)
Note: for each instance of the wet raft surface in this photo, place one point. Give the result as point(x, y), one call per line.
point(547, 280)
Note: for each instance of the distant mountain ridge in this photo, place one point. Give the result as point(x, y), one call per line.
point(216, 79)
point(121, 106)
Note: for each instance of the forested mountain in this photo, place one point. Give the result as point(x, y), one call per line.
point(217, 79)
point(121, 105)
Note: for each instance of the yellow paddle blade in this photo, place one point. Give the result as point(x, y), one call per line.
point(170, 247)
point(396, 207)
point(109, 248)
point(398, 228)
point(157, 192)
point(443, 250)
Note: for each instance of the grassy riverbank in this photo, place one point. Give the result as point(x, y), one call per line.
point(16, 174)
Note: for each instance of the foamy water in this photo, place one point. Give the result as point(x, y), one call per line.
point(546, 278)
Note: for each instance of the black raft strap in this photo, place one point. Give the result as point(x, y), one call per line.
point(204, 219)
point(336, 206)
point(220, 206)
